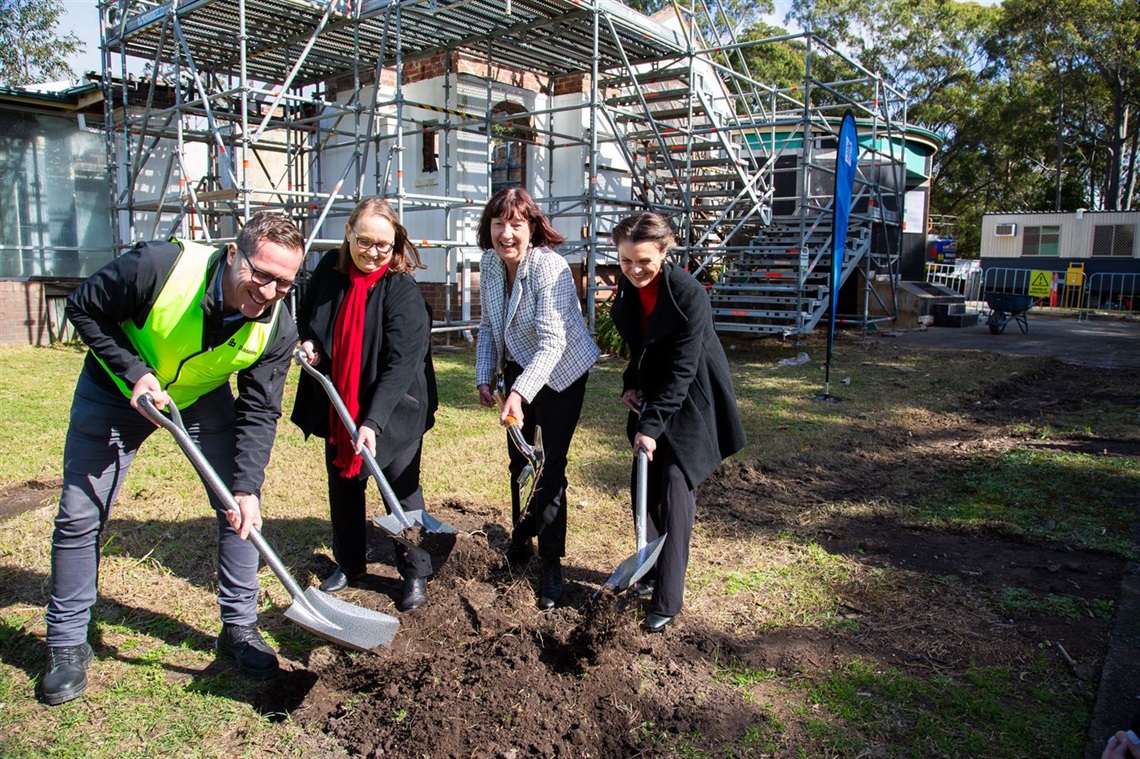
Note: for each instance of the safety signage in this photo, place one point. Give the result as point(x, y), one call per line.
point(1040, 283)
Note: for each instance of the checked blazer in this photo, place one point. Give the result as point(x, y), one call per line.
point(540, 327)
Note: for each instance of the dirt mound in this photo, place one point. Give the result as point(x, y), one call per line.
point(479, 671)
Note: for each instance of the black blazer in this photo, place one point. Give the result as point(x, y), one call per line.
point(681, 370)
point(397, 380)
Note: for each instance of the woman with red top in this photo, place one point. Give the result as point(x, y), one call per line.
point(678, 389)
point(364, 322)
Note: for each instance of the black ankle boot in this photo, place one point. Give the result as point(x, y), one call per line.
point(65, 677)
point(550, 585)
point(254, 657)
point(519, 552)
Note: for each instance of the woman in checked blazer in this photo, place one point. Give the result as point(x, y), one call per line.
point(532, 334)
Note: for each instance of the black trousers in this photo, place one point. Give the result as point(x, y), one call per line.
point(671, 506)
point(349, 518)
point(557, 414)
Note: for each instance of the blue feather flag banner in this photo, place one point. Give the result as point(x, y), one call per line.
point(846, 161)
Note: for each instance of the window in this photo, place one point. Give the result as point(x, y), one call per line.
point(1041, 241)
point(429, 157)
point(54, 202)
point(1114, 240)
point(508, 165)
point(509, 140)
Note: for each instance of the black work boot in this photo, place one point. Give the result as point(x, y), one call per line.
point(65, 676)
point(253, 655)
point(415, 593)
point(519, 552)
point(340, 579)
point(550, 584)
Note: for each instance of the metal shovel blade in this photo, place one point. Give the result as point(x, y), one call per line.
point(417, 518)
point(634, 568)
point(398, 520)
point(341, 622)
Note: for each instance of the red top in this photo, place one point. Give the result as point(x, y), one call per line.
point(648, 297)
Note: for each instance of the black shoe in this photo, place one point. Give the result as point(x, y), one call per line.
point(550, 584)
point(519, 552)
point(65, 677)
point(339, 580)
point(253, 655)
point(643, 590)
point(415, 593)
point(655, 623)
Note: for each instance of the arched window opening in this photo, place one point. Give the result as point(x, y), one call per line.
point(509, 139)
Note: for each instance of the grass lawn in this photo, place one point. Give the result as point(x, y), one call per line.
point(928, 568)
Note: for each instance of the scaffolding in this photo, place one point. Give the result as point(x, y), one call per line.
point(216, 109)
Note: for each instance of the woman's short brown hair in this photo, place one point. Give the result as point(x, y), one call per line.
point(644, 227)
point(515, 203)
point(405, 257)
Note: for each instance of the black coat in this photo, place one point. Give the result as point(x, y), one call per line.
point(681, 370)
point(397, 380)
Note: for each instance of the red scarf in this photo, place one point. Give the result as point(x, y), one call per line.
point(348, 345)
point(648, 297)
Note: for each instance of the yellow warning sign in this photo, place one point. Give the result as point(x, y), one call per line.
point(1039, 283)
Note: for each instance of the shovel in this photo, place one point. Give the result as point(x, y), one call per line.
point(319, 613)
point(634, 568)
point(528, 477)
point(399, 520)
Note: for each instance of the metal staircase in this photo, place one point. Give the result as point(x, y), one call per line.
point(781, 282)
point(680, 139)
point(704, 145)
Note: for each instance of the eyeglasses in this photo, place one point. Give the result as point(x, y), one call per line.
point(366, 244)
point(263, 278)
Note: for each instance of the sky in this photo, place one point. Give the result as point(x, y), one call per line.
point(81, 17)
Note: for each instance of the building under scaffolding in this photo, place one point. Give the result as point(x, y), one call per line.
point(220, 108)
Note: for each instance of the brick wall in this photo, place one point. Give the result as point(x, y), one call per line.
point(436, 295)
point(24, 313)
point(571, 83)
point(420, 69)
point(436, 65)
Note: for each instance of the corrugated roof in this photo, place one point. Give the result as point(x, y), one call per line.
point(550, 37)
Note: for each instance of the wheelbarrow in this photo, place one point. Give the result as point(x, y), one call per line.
point(1006, 306)
point(398, 520)
point(316, 611)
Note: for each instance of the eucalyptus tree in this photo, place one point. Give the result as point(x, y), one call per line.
point(31, 48)
point(1087, 52)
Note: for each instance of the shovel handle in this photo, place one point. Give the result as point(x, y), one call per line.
point(514, 429)
point(386, 491)
point(640, 498)
point(174, 425)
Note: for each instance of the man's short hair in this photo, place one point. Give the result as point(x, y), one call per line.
point(266, 225)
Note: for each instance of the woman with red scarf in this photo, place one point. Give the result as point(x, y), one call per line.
point(678, 389)
point(364, 322)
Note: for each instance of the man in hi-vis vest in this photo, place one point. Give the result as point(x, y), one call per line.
point(176, 320)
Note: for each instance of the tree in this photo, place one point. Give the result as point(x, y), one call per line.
point(1089, 51)
point(31, 50)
